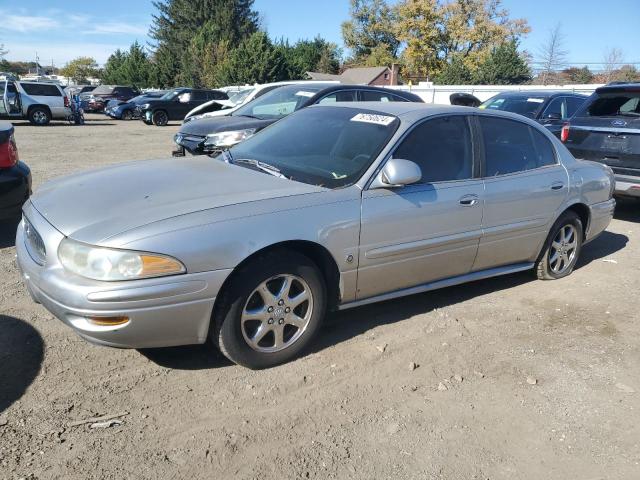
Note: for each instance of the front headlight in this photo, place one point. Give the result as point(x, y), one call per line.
point(144, 106)
point(228, 139)
point(110, 265)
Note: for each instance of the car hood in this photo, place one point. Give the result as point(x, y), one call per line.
point(205, 126)
point(94, 206)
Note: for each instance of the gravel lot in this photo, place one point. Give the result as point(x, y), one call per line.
point(514, 378)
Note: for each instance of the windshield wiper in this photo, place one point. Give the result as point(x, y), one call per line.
point(263, 167)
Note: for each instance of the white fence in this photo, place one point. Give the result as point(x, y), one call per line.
point(431, 93)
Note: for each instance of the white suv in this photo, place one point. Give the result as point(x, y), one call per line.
point(35, 101)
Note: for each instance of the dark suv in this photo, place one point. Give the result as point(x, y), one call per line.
point(175, 104)
point(102, 94)
point(550, 108)
point(607, 129)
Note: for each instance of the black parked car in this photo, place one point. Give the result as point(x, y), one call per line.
point(102, 94)
point(128, 110)
point(606, 129)
point(15, 177)
point(211, 135)
point(550, 108)
point(175, 104)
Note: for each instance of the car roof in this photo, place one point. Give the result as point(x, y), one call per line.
point(538, 93)
point(619, 88)
point(413, 111)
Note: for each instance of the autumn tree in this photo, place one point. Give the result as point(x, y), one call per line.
point(80, 69)
point(577, 75)
point(371, 32)
point(435, 32)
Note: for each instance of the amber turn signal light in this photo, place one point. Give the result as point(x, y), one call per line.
point(108, 321)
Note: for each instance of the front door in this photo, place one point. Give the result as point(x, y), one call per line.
point(525, 185)
point(4, 111)
point(430, 230)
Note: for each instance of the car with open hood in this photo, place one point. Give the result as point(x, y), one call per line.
point(330, 208)
point(211, 135)
point(175, 104)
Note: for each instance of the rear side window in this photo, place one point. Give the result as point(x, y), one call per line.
point(441, 147)
point(343, 96)
point(612, 105)
point(41, 90)
point(198, 96)
point(374, 96)
point(573, 104)
point(512, 147)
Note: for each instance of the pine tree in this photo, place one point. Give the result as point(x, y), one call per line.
point(504, 66)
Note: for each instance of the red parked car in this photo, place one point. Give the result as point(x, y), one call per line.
point(15, 176)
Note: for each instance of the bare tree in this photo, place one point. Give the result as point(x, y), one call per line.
point(552, 55)
point(612, 61)
point(3, 51)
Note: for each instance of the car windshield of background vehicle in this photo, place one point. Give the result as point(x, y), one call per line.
point(527, 106)
point(171, 95)
point(329, 147)
point(279, 102)
point(239, 97)
point(614, 105)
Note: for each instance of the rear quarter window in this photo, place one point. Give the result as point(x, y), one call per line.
point(611, 105)
point(41, 90)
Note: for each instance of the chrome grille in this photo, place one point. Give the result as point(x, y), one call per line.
point(34, 243)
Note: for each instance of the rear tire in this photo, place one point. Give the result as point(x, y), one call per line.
point(160, 118)
point(561, 249)
point(39, 116)
point(270, 311)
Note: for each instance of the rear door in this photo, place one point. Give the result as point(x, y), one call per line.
point(607, 129)
point(525, 186)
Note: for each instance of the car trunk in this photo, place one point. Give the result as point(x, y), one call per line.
point(608, 131)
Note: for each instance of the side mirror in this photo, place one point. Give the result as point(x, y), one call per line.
point(553, 116)
point(397, 173)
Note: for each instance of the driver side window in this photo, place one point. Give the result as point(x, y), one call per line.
point(441, 147)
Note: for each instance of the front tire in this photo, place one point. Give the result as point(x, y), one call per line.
point(562, 248)
point(39, 116)
point(160, 118)
point(127, 115)
point(270, 311)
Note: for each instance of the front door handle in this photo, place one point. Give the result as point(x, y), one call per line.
point(557, 185)
point(469, 200)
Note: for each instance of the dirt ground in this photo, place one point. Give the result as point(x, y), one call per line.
point(515, 379)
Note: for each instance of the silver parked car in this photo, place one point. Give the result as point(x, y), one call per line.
point(331, 207)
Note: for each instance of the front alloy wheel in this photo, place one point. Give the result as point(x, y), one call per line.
point(270, 311)
point(277, 313)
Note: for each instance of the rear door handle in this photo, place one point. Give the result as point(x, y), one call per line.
point(469, 200)
point(557, 185)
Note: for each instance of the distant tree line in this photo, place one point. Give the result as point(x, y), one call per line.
point(212, 43)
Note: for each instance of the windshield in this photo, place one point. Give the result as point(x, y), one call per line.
point(279, 103)
point(614, 104)
point(239, 97)
point(326, 146)
point(171, 94)
point(527, 106)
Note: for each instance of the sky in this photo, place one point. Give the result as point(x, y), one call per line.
point(59, 30)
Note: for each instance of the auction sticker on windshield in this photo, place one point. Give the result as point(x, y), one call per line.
point(372, 118)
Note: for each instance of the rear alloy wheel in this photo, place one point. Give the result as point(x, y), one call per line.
point(562, 248)
point(39, 116)
point(270, 311)
point(160, 118)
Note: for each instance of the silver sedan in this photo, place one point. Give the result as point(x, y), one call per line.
point(331, 208)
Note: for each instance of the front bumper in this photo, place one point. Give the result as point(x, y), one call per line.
point(194, 144)
point(162, 312)
point(627, 186)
